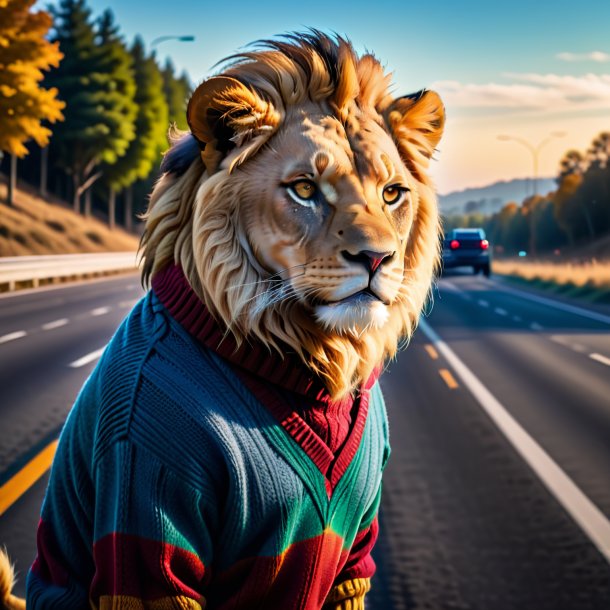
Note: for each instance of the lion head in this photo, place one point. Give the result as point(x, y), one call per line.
point(299, 207)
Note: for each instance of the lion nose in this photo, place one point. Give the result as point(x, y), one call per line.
point(370, 259)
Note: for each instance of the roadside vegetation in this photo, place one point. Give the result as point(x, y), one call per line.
point(84, 114)
point(590, 279)
point(577, 213)
point(37, 226)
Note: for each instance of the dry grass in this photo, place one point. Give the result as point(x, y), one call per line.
point(35, 226)
point(594, 273)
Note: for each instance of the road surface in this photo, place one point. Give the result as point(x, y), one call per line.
point(471, 517)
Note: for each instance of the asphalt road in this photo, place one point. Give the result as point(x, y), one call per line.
point(466, 523)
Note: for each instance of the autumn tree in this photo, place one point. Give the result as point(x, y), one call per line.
point(599, 151)
point(24, 104)
point(572, 163)
point(95, 130)
point(595, 188)
point(567, 205)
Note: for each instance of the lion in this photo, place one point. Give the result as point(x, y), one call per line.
point(227, 450)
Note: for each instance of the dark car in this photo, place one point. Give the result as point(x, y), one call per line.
point(467, 248)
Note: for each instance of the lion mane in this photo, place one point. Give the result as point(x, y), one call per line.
point(211, 178)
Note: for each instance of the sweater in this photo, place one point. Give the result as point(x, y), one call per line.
point(183, 482)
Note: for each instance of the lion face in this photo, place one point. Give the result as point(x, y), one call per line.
point(331, 218)
point(307, 218)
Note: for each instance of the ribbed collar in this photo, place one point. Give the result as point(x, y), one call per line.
point(289, 372)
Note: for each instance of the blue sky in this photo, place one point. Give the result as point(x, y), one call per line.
point(519, 68)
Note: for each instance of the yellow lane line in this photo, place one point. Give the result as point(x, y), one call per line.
point(448, 379)
point(16, 486)
point(431, 351)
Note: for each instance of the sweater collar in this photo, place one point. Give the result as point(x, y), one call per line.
point(289, 372)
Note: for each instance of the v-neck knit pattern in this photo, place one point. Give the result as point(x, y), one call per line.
point(329, 431)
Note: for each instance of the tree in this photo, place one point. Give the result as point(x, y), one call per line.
point(566, 203)
point(177, 92)
point(532, 208)
point(24, 104)
point(599, 151)
point(151, 128)
point(572, 163)
point(94, 131)
point(117, 62)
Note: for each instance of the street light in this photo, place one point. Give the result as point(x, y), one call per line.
point(161, 39)
point(535, 150)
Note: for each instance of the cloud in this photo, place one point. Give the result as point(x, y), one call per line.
point(530, 92)
point(598, 56)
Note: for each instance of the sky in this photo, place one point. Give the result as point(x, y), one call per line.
point(537, 72)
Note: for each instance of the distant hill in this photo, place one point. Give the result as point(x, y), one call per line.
point(489, 199)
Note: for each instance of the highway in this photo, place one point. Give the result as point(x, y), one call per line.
point(497, 493)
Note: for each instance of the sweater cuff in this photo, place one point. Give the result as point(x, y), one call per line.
point(349, 595)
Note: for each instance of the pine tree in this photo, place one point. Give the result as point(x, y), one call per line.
point(177, 92)
point(152, 122)
point(24, 104)
point(117, 63)
point(95, 130)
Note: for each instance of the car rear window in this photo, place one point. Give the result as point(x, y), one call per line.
point(468, 235)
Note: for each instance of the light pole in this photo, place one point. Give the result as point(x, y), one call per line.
point(535, 150)
point(161, 39)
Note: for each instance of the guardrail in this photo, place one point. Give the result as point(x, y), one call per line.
point(31, 270)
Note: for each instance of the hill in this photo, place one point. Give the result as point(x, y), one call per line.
point(490, 199)
point(36, 226)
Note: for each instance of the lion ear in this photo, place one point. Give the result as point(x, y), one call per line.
point(225, 114)
point(416, 122)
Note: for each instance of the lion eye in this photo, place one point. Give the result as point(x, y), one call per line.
point(394, 193)
point(303, 189)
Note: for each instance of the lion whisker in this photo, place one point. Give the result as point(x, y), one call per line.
point(272, 278)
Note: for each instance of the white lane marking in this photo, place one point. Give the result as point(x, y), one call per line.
point(561, 340)
point(55, 324)
point(500, 311)
point(483, 303)
point(451, 288)
point(535, 326)
point(87, 359)
point(517, 318)
point(99, 311)
point(579, 311)
point(12, 336)
point(591, 520)
point(603, 359)
point(567, 342)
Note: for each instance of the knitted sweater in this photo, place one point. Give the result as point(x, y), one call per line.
point(174, 486)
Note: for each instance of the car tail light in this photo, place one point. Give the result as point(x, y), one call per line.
point(484, 244)
point(455, 244)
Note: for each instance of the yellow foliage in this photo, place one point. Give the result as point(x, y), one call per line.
point(24, 55)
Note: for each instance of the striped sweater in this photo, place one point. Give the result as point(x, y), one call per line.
point(185, 480)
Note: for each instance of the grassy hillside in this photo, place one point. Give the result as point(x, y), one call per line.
point(36, 226)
